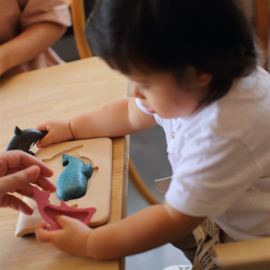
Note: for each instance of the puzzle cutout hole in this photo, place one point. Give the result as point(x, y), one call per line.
point(58, 166)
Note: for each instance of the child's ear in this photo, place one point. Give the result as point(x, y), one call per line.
point(204, 79)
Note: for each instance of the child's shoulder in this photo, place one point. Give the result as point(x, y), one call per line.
point(248, 100)
point(247, 105)
point(253, 86)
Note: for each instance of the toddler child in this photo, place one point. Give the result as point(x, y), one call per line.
point(28, 29)
point(192, 65)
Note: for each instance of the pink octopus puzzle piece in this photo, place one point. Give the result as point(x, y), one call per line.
point(49, 211)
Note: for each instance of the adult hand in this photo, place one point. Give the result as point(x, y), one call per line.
point(18, 170)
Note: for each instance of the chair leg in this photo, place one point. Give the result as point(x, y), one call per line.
point(140, 185)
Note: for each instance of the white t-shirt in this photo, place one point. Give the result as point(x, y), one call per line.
point(220, 159)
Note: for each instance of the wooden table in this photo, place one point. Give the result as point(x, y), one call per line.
point(59, 92)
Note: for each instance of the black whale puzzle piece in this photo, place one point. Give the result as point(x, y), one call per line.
point(25, 139)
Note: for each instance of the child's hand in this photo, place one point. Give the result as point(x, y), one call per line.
point(72, 238)
point(58, 131)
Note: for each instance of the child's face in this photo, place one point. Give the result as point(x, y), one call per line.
point(161, 94)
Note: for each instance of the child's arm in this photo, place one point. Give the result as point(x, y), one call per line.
point(30, 43)
point(118, 118)
point(147, 229)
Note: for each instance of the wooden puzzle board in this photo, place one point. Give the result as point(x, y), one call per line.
point(99, 153)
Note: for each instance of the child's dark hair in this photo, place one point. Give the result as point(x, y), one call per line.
point(212, 36)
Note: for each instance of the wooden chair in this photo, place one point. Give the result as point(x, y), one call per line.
point(78, 19)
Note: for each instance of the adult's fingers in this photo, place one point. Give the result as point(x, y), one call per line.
point(18, 159)
point(16, 204)
point(18, 180)
point(42, 182)
point(21, 181)
point(45, 184)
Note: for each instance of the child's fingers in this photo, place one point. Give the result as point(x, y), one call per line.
point(63, 221)
point(42, 127)
point(58, 131)
point(42, 234)
point(45, 141)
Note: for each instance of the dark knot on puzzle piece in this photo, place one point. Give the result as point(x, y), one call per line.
point(25, 139)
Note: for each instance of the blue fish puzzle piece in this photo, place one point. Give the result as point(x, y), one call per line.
point(72, 182)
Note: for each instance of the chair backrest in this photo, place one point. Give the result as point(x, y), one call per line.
point(78, 20)
point(262, 26)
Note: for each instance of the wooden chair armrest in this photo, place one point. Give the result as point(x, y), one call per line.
point(248, 255)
